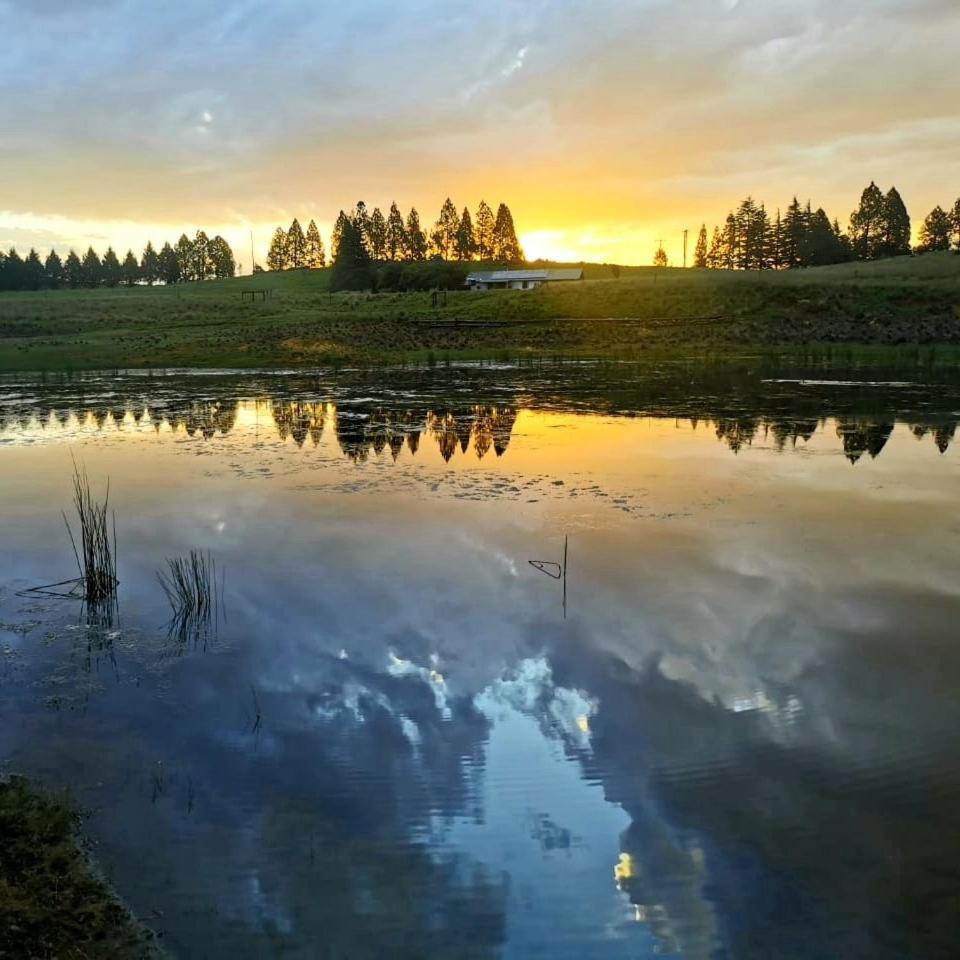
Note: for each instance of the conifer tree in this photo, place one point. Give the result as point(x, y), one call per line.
point(868, 224)
point(792, 235)
point(110, 269)
point(316, 256)
point(222, 263)
point(296, 247)
point(32, 271)
point(185, 264)
point(416, 247)
point(91, 268)
point(465, 245)
point(168, 263)
point(896, 226)
point(377, 235)
point(715, 256)
point(277, 254)
point(201, 256)
point(700, 252)
point(506, 246)
point(13, 271)
point(483, 229)
point(150, 265)
point(955, 223)
point(130, 271)
point(935, 231)
point(53, 273)
point(776, 243)
point(339, 228)
point(396, 239)
point(444, 235)
point(361, 220)
point(352, 267)
point(731, 243)
point(73, 270)
point(660, 258)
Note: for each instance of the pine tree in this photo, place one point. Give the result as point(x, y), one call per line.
point(416, 248)
point(91, 268)
point(130, 271)
point(352, 267)
point(896, 226)
point(277, 254)
point(222, 263)
point(73, 270)
point(465, 245)
point(168, 263)
point(444, 235)
point(377, 235)
point(296, 247)
point(506, 246)
point(32, 273)
point(396, 239)
point(660, 257)
point(483, 231)
point(201, 256)
point(53, 273)
point(336, 238)
point(110, 269)
point(935, 231)
point(13, 271)
point(955, 223)
point(361, 220)
point(185, 264)
point(150, 265)
point(700, 252)
point(868, 224)
point(776, 243)
point(316, 256)
point(792, 233)
point(715, 256)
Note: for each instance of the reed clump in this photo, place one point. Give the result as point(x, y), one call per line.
point(95, 548)
point(190, 584)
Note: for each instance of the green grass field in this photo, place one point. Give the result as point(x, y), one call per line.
point(905, 300)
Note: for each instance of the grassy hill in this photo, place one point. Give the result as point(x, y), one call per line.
point(904, 300)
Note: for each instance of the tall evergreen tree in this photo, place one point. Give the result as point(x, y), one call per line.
point(483, 230)
point(700, 251)
point(222, 263)
point(130, 270)
point(715, 256)
point(731, 243)
point(201, 256)
point(935, 231)
point(465, 246)
point(91, 268)
point(793, 232)
point(377, 235)
point(73, 270)
point(506, 246)
point(660, 258)
point(444, 235)
point(168, 263)
point(361, 220)
point(776, 243)
point(316, 256)
point(955, 223)
point(896, 226)
point(110, 268)
point(185, 262)
point(13, 271)
point(868, 224)
point(336, 238)
point(296, 246)
point(150, 265)
point(53, 273)
point(277, 254)
point(352, 267)
point(396, 239)
point(416, 248)
point(32, 272)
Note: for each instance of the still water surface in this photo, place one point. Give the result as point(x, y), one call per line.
point(738, 739)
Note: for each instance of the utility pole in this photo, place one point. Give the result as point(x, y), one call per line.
point(684, 249)
point(253, 259)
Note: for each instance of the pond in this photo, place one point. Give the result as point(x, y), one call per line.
point(716, 718)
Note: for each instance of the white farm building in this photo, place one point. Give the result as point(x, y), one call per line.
point(519, 279)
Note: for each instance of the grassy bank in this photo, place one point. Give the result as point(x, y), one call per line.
point(52, 903)
point(906, 300)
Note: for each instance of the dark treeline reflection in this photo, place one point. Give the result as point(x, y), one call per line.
point(471, 411)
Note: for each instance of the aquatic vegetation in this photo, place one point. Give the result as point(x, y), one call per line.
point(97, 552)
point(190, 585)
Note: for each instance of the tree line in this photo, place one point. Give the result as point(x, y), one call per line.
point(371, 236)
point(803, 237)
point(198, 259)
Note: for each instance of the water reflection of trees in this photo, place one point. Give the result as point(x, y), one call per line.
point(458, 428)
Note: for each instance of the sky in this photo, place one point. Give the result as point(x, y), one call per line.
point(606, 125)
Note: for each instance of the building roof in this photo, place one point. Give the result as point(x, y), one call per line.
point(507, 276)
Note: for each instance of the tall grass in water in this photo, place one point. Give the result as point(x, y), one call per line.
point(190, 584)
point(96, 548)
